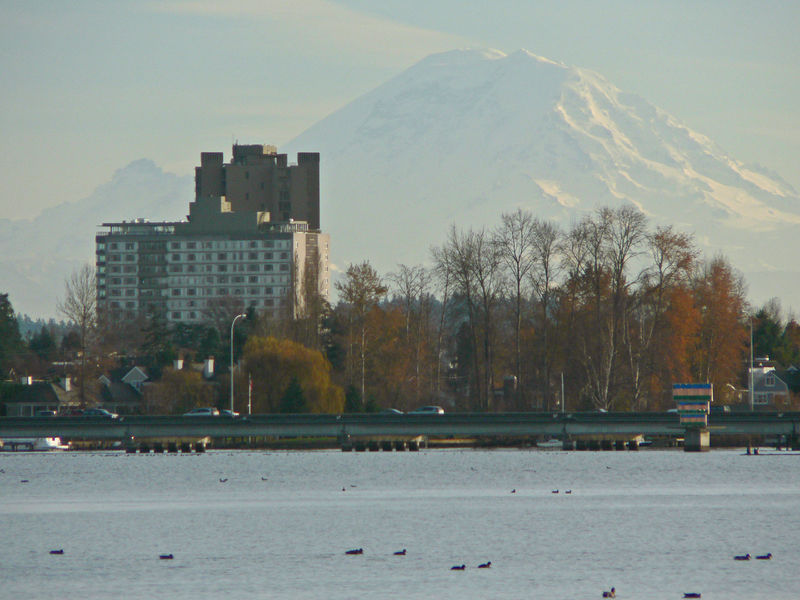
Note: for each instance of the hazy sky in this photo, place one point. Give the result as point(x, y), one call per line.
point(89, 85)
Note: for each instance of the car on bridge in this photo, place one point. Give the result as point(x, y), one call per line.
point(427, 410)
point(202, 412)
point(100, 412)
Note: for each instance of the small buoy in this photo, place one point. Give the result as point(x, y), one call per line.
point(693, 595)
point(610, 594)
point(458, 567)
point(59, 551)
point(263, 479)
point(742, 557)
point(400, 552)
point(165, 556)
point(344, 489)
point(355, 551)
point(486, 565)
point(514, 491)
point(766, 556)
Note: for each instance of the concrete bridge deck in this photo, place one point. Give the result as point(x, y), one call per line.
point(376, 425)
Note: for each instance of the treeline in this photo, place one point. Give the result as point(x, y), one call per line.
point(610, 311)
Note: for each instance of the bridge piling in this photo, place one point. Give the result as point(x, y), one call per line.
point(696, 439)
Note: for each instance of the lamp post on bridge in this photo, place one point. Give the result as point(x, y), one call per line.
point(231, 372)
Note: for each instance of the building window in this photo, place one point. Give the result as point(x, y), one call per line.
point(176, 315)
point(130, 304)
point(252, 279)
point(191, 292)
point(268, 267)
point(221, 256)
point(127, 269)
point(284, 267)
point(222, 279)
point(176, 292)
point(222, 268)
point(130, 292)
point(190, 268)
point(129, 246)
point(284, 255)
point(769, 380)
point(130, 258)
point(175, 245)
point(253, 244)
point(267, 244)
point(252, 268)
point(191, 245)
point(114, 246)
point(237, 279)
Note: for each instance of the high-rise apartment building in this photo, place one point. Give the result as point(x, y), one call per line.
point(259, 179)
point(228, 256)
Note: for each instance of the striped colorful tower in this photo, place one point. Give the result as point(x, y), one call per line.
point(693, 401)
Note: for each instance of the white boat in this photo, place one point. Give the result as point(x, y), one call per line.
point(551, 443)
point(41, 444)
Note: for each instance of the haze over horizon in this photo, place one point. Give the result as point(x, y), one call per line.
point(93, 88)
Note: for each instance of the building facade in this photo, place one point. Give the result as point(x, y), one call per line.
point(218, 263)
point(258, 179)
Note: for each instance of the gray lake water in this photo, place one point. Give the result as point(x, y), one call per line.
point(653, 524)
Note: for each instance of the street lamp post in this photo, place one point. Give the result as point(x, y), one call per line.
point(231, 373)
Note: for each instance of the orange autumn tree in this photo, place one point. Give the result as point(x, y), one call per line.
point(719, 297)
point(273, 363)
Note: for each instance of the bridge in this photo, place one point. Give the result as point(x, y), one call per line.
point(620, 425)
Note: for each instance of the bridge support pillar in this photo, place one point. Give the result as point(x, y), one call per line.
point(696, 440)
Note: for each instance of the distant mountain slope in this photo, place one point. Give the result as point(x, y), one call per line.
point(37, 255)
point(464, 135)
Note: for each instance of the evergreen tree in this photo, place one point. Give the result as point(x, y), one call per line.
point(12, 347)
point(352, 400)
point(293, 400)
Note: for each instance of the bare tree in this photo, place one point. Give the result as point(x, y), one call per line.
point(361, 291)
point(514, 239)
point(79, 306)
point(546, 245)
point(412, 285)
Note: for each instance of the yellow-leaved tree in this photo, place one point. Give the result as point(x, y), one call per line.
point(273, 363)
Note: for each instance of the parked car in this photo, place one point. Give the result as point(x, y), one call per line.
point(71, 412)
point(202, 412)
point(99, 412)
point(390, 411)
point(427, 410)
point(45, 413)
point(228, 413)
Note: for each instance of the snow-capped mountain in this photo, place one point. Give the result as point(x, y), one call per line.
point(462, 137)
point(37, 255)
point(465, 135)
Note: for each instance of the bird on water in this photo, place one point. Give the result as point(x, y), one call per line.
point(355, 551)
point(486, 565)
point(458, 567)
point(742, 557)
point(400, 552)
point(766, 556)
